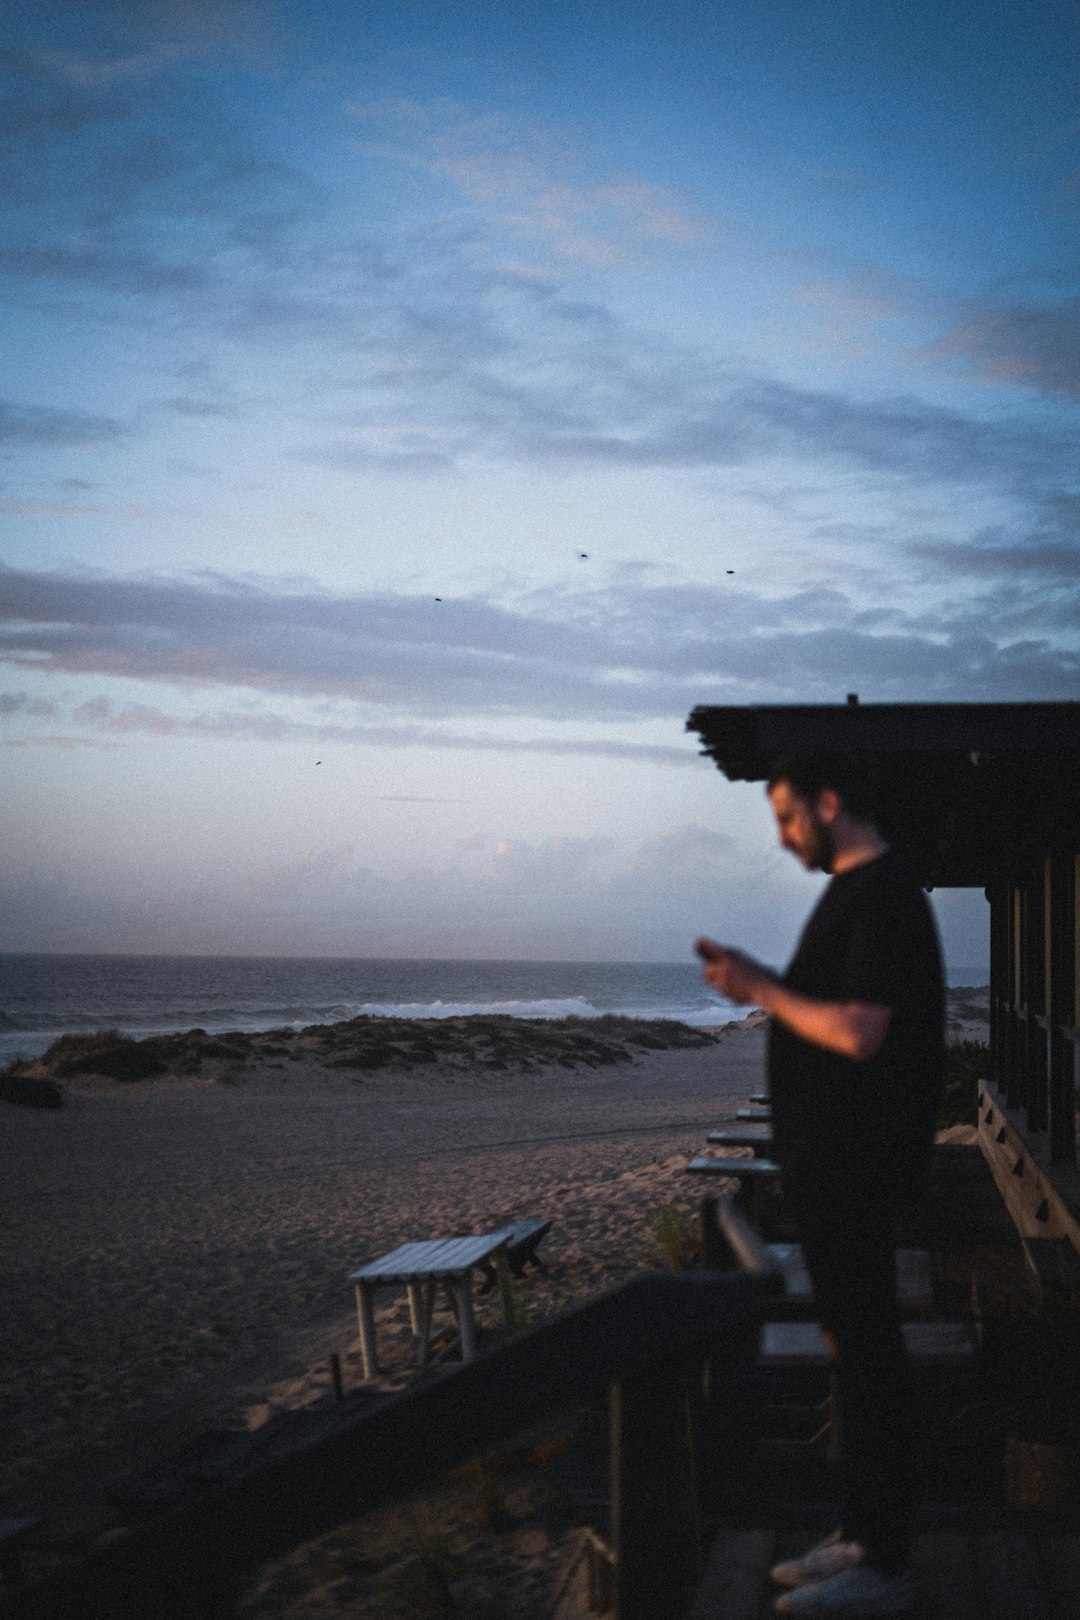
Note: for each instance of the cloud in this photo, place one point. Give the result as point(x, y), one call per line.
point(90, 72)
point(695, 854)
point(137, 40)
point(413, 672)
point(556, 864)
point(109, 191)
point(1034, 346)
point(12, 703)
point(423, 348)
point(563, 898)
point(310, 867)
point(528, 182)
point(540, 392)
point(104, 719)
point(103, 266)
point(1048, 562)
point(184, 405)
point(1020, 580)
point(50, 427)
point(344, 456)
point(35, 508)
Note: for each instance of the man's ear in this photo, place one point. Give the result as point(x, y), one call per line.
point(829, 805)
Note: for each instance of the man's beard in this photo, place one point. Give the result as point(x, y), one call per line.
point(821, 848)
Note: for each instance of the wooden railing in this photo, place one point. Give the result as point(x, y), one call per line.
point(645, 1342)
point(1042, 1195)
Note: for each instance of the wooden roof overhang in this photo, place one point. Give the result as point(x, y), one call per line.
point(973, 791)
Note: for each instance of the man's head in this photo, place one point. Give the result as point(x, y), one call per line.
point(821, 807)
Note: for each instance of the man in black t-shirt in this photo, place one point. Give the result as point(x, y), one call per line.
point(856, 1067)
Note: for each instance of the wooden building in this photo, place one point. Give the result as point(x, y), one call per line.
point(984, 795)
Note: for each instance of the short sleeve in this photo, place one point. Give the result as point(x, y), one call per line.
point(888, 926)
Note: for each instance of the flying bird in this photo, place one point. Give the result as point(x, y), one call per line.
point(583, 555)
point(438, 599)
point(729, 570)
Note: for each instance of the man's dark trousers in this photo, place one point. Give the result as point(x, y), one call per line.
point(848, 1237)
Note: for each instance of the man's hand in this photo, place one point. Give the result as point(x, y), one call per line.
point(855, 1029)
point(734, 974)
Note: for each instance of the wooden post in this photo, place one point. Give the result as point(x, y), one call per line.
point(712, 1244)
point(466, 1323)
point(1009, 1076)
point(1039, 929)
point(712, 1256)
point(997, 895)
point(599, 1574)
point(1060, 991)
point(1034, 1059)
point(366, 1319)
point(506, 1289)
point(653, 1515)
point(424, 1300)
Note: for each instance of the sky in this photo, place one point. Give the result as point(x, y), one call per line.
point(410, 411)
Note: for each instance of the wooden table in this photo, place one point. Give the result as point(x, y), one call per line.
point(420, 1267)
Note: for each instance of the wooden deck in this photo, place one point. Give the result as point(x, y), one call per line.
point(769, 1489)
point(989, 1573)
point(975, 1558)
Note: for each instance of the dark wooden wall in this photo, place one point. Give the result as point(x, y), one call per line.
point(1035, 993)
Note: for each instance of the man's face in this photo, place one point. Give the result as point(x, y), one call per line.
point(802, 828)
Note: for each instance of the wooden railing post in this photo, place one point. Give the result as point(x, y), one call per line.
point(712, 1244)
point(653, 1507)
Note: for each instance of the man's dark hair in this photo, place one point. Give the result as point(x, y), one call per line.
point(809, 774)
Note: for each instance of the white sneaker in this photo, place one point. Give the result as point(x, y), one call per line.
point(829, 1557)
point(859, 1593)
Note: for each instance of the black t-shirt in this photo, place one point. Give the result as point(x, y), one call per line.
point(871, 938)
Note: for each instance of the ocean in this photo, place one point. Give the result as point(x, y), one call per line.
point(43, 997)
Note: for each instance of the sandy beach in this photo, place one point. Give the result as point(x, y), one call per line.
point(176, 1249)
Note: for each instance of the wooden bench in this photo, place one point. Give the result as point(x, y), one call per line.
point(419, 1267)
point(523, 1239)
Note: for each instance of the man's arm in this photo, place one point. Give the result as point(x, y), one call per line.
point(855, 1029)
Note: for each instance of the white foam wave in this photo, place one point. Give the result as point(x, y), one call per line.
point(707, 1012)
point(568, 1007)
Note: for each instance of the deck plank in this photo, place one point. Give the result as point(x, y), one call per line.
point(1010, 1579)
point(945, 1577)
point(989, 1575)
point(1059, 1554)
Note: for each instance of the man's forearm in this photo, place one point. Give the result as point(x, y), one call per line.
point(855, 1029)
